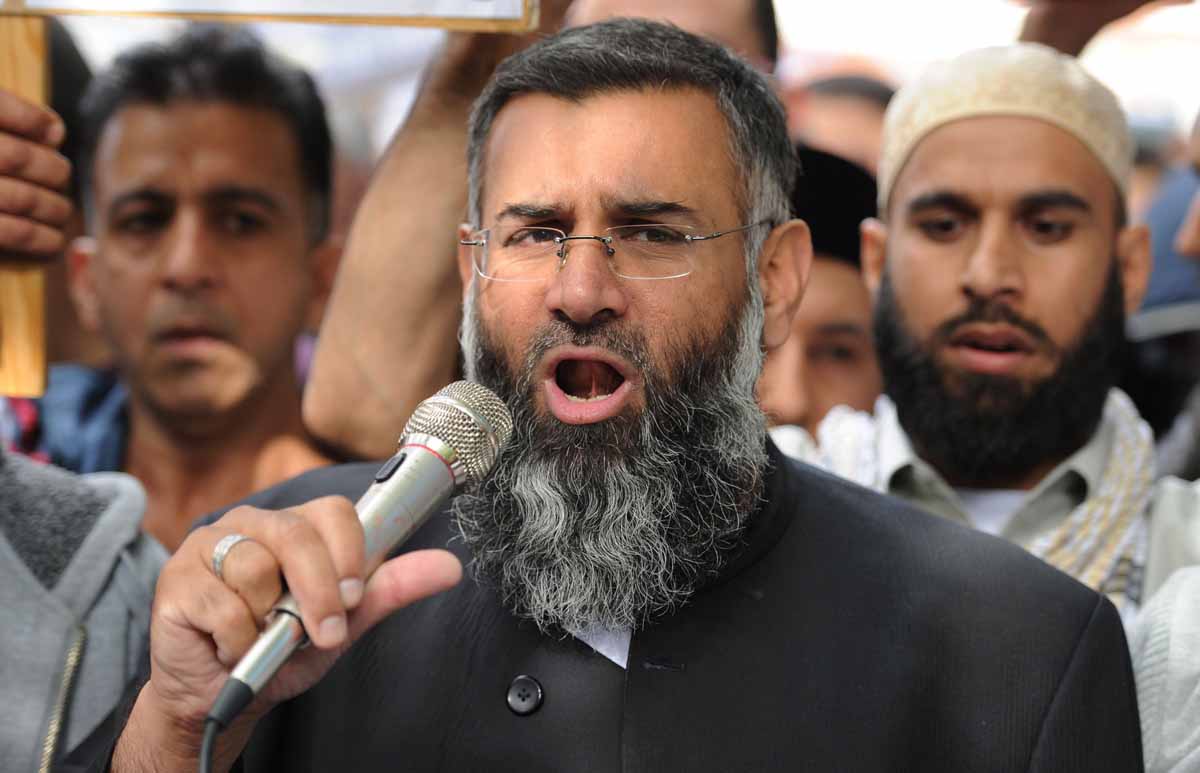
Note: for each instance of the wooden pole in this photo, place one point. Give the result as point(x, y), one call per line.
point(23, 70)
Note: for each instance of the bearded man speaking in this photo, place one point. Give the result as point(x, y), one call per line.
point(652, 586)
point(1003, 269)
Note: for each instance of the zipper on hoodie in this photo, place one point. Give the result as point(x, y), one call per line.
point(54, 731)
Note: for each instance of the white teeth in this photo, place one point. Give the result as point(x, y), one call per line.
point(575, 399)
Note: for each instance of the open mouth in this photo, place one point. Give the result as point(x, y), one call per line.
point(997, 350)
point(584, 385)
point(186, 335)
point(997, 341)
point(585, 381)
point(188, 338)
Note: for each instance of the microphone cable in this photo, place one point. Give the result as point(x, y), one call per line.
point(234, 696)
point(211, 728)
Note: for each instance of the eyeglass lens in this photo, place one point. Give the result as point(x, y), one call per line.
point(642, 251)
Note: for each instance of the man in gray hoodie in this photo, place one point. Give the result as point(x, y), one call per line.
point(77, 579)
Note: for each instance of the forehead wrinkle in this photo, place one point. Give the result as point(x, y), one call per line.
point(1005, 156)
point(635, 170)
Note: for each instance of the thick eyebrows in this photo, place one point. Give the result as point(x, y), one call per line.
point(148, 196)
point(638, 208)
point(650, 208)
point(1040, 201)
point(240, 194)
point(527, 211)
point(854, 329)
point(942, 199)
point(1028, 204)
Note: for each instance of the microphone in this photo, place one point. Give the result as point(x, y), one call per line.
point(450, 442)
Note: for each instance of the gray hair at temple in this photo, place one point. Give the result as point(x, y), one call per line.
point(639, 55)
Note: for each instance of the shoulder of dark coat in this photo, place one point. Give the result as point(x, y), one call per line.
point(942, 556)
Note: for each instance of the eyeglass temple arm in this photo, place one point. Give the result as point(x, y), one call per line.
point(718, 234)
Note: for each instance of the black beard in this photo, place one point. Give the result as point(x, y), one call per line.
point(615, 523)
point(984, 431)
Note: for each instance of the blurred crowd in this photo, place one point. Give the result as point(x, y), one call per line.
point(999, 322)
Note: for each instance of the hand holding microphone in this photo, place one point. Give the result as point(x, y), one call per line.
point(327, 553)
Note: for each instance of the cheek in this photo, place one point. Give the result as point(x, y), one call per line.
point(1064, 316)
point(123, 297)
point(1064, 295)
point(855, 383)
point(286, 301)
point(926, 282)
point(508, 317)
point(865, 386)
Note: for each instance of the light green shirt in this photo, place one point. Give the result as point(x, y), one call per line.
point(889, 464)
point(1042, 510)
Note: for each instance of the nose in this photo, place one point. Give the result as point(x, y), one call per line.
point(585, 290)
point(188, 263)
point(1187, 241)
point(993, 267)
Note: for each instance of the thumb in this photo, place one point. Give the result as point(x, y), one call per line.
point(401, 581)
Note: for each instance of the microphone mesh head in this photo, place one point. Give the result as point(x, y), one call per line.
point(469, 418)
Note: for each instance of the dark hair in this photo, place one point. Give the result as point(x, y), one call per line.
point(214, 63)
point(768, 29)
point(834, 196)
point(857, 86)
point(638, 55)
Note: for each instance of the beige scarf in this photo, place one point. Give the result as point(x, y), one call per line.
point(1102, 543)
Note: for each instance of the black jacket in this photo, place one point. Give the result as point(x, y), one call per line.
point(853, 633)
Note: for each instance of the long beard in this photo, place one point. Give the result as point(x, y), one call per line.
point(612, 524)
point(985, 431)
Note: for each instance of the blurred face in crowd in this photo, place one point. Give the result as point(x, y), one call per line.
point(729, 22)
point(1002, 279)
point(638, 447)
point(846, 126)
point(829, 358)
point(202, 270)
point(1187, 241)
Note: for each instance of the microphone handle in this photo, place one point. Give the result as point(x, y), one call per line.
point(408, 489)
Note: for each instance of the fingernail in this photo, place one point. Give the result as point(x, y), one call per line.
point(352, 590)
point(333, 629)
point(55, 133)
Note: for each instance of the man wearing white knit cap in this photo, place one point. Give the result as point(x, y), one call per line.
point(1002, 268)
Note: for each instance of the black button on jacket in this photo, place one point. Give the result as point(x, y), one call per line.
point(852, 633)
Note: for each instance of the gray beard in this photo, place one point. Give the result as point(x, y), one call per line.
point(613, 524)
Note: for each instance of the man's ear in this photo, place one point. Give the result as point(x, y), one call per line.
point(873, 248)
point(783, 268)
point(1134, 261)
point(323, 262)
point(81, 282)
point(466, 269)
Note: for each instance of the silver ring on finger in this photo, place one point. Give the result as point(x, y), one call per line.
point(221, 552)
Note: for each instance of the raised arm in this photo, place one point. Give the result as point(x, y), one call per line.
point(1068, 25)
point(389, 338)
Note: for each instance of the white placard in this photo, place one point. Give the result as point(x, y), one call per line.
point(467, 9)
